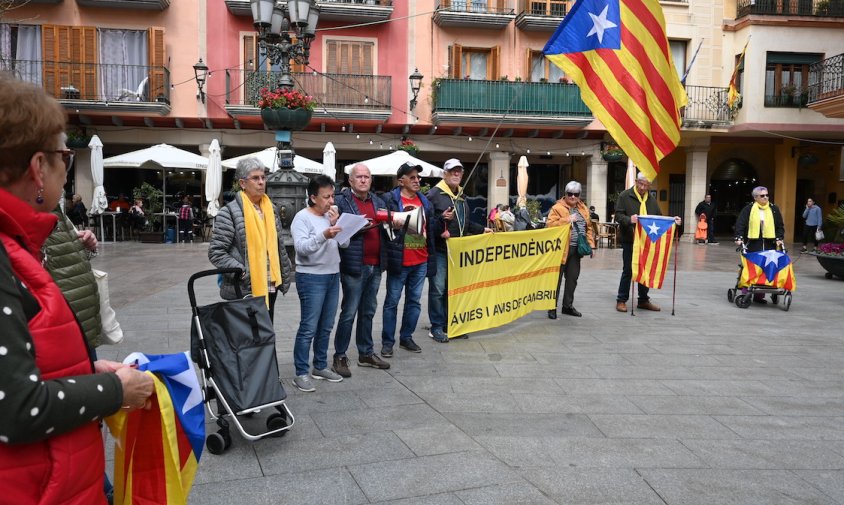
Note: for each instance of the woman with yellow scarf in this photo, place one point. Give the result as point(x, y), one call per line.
point(760, 226)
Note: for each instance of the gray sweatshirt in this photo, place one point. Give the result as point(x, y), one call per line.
point(314, 253)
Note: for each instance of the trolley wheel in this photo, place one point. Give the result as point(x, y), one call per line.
point(216, 443)
point(786, 302)
point(775, 299)
point(227, 438)
point(828, 275)
point(277, 421)
point(743, 301)
point(731, 294)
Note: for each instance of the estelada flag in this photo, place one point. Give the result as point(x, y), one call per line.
point(157, 450)
point(652, 242)
point(767, 268)
point(617, 53)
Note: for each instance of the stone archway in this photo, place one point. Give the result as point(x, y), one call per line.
point(730, 187)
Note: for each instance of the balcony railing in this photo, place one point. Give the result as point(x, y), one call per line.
point(94, 82)
point(794, 100)
point(348, 92)
point(474, 6)
point(826, 79)
point(552, 103)
point(554, 8)
point(818, 8)
point(707, 107)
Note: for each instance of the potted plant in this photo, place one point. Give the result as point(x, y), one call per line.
point(787, 92)
point(285, 109)
point(612, 152)
point(408, 145)
point(153, 201)
point(77, 138)
point(831, 254)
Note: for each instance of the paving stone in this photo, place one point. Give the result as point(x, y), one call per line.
point(583, 404)
point(829, 482)
point(516, 493)
point(598, 486)
point(691, 405)
point(431, 440)
point(783, 428)
point(766, 454)
point(797, 406)
point(661, 426)
point(377, 419)
point(329, 487)
point(613, 387)
point(528, 425)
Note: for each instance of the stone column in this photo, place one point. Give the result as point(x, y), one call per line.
point(498, 179)
point(596, 184)
point(83, 182)
point(785, 184)
point(697, 184)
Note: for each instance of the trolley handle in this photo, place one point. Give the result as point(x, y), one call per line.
point(207, 273)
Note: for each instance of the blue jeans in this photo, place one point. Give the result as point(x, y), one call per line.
point(360, 298)
point(627, 276)
point(318, 297)
point(412, 278)
point(438, 294)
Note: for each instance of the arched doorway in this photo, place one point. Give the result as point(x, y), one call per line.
point(730, 187)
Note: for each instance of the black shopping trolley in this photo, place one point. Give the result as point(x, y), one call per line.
point(233, 343)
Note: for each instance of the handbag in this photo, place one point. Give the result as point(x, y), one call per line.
point(583, 247)
point(111, 332)
point(819, 234)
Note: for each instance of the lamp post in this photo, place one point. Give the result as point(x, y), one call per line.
point(200, 72)
point(415, 84)
point(278, 23)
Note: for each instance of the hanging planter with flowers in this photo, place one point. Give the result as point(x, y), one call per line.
point(612, 152)
point(409, 146)
point(283, 109)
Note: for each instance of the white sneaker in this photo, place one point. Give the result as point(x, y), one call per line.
point(326, 374)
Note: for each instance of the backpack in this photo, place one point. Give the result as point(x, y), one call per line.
point(186, 213)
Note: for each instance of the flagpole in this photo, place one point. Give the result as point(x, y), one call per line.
point(632, 293)
point(674, 289)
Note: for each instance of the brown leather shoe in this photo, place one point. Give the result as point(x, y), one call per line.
point(648, 306)
point(621, 306)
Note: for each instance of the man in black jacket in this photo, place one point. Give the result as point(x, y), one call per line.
point(707, 208)
point(360, 273)
point(452, 220)
point(630, 204)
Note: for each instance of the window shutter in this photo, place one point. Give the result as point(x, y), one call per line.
point(157, 60)
point(69, 55)
point(49, 49)
point(84, 70)
point(528, 64)
point(456, 63)
point(250, 53)
point(494, 63)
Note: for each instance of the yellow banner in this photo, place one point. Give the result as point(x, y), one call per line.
point(496, 278)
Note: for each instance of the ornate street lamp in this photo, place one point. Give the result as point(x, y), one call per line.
point(415, 85)
point(200, 72)
point(285, 32)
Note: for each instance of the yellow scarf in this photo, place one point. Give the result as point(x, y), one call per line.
point(756, 222)
point(261, 246)
point(443, 186)
point(643, 209)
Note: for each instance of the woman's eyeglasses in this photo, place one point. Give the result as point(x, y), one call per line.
point(256, 178)
point(67, 157)
point(572, 194)
point(762, 196)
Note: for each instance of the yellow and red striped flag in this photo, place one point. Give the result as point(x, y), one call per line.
point(157, 451)
point(767, 268)
point(617, 53)
point(652, 241)
point(733, 94)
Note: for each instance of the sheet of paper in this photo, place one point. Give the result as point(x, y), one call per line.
point(350, 224)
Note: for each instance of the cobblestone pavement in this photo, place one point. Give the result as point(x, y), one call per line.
point(712, 405)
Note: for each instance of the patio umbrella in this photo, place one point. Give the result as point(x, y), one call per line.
point(522, 178)
point(328, 165)
point(159, 157)
point(268, 158)
point(388, 164)
point(630, 176)
point(100, 203)
point(214, 179)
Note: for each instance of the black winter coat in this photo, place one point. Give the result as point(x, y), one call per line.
point(351, 257)
point(628, 205)
point(395, 248)
point(759, 244)
point(441, 202)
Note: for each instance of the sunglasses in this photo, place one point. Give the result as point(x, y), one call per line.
point(763, 196)
point(68, 156)
point(572, 194)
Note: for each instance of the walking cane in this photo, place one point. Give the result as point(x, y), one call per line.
point(676, 247)
point(632, 287)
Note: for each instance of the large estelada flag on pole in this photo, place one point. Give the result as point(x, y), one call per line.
point(768, 268)
point(157, 450)
point(617, 52)
point(652, 242)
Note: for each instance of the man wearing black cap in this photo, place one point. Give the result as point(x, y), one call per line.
point(452, 220)
point(410, 258)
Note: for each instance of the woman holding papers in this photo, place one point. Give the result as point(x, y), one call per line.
point(315, 233)
point(247, 235)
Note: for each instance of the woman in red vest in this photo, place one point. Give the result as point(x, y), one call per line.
point(52, 395)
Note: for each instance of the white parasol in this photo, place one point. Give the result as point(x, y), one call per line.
point(100, 202)
point(214, 178)
point(329, 167)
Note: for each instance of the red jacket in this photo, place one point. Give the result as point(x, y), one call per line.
point(67, 468)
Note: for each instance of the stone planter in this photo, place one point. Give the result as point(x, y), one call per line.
point(612, 156)
point(286, 119)
point(834, 265)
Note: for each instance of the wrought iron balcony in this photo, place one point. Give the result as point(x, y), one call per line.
point(338, 96)
point(158, 5)
point(707, 107)
point(826, 86)
point(547, 104)
point(787, 99)
point(492, 14)
point(91, 86)
point(541, 15)
point(333, 10)
point(817, 8)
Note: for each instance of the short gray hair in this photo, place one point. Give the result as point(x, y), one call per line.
point(573, 187)
point(246, 166)
point(757, 190)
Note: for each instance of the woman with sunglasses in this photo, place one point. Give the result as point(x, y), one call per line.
point(760, 226)
point(570, 211)
point(52, 395)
